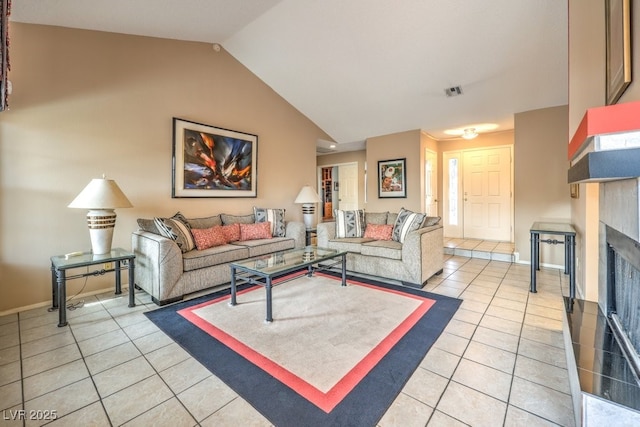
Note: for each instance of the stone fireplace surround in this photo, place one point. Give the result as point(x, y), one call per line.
point(604, 388)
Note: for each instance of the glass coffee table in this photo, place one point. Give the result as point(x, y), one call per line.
point(261, 270)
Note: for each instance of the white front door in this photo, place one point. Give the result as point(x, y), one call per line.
point(348, 186)
point(487, 193)
point(430, 183)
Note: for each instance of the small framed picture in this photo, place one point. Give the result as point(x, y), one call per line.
point(392, 178)
point(574, 189)
point(336, 186)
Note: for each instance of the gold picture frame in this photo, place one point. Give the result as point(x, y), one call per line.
point(618, 48)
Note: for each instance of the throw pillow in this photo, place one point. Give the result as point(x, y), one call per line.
point(378, 231)
point(208, 237)
point(431, 220)
point(349, 223)
point(259, 230)
point(407, 221)
point(177, 229)
point(275, 217)
point(231, 232)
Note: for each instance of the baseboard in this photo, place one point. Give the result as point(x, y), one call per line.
point(48, 303)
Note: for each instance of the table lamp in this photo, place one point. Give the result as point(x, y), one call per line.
point(308, 197)
point(101, 196)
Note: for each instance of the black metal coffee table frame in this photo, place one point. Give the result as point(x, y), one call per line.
point(261, 270)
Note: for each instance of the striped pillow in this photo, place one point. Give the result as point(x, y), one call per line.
point(407, 221)
point(177, 229)
point(275, 217)
point(349, 223)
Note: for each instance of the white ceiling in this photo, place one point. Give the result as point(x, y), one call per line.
point(362, 68)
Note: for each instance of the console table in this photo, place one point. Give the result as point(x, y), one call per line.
point(61, 263)
point(569, 242)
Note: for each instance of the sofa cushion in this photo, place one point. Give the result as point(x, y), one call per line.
point(378, 231)
point(205, 238)
point(177, 229)
point(349, 244)
point(146, 224)
point(430, 221)
point(275, 217)
point(237, 219)
point(391, 218)
point(265, 246)
point(206, 222)
point(349, 223)
point(194, 260)
point(383, 248)
point(259, 230)
point(376, 217)
point(407, 221)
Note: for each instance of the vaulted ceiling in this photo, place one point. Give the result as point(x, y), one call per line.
point(362, 68)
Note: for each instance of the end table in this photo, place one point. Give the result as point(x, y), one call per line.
point(61, 263)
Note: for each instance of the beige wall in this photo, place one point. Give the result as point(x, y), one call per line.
point(587, 89)
point(405, 145)
point(541, 189)
point(86, 103)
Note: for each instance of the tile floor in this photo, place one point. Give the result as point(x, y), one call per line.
point(500, 362)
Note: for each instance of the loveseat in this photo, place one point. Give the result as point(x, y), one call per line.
point(177, 256)
point(406, 246)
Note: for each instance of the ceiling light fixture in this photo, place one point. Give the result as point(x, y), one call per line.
point(469, 133)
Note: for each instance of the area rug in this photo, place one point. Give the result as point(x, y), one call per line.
point(334, 355)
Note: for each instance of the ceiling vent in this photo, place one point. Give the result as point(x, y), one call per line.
point(453, 91)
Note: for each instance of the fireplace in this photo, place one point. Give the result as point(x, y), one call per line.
point(623, 294)
point(603, 338)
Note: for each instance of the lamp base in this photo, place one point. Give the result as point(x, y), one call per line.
point(101, 224)
point(308, 214)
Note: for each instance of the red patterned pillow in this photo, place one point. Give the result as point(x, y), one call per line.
point(208, 237)
point(259, 230)
point(231, 232)
point(378, 231)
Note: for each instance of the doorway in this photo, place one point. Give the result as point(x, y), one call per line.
point(338, 188)
point(478, 202)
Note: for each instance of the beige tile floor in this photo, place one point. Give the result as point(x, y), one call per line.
point(500, 362)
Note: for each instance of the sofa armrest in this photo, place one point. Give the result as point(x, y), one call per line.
point(424, 249)
point(158, 263)
point(297, 231)
point(325, 232)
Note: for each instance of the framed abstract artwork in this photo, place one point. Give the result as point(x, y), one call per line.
point(392, 178)
point(618, 51)
point(213, 162)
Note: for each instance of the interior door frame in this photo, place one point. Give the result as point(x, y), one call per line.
point(333, 165)
point(458, 231)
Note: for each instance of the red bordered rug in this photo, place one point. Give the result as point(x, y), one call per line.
point(333, 355)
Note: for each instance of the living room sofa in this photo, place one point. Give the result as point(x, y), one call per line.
point(169, 263)
point(412, 258)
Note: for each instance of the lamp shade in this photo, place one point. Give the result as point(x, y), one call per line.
point(101, 193)
point(307, 195)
